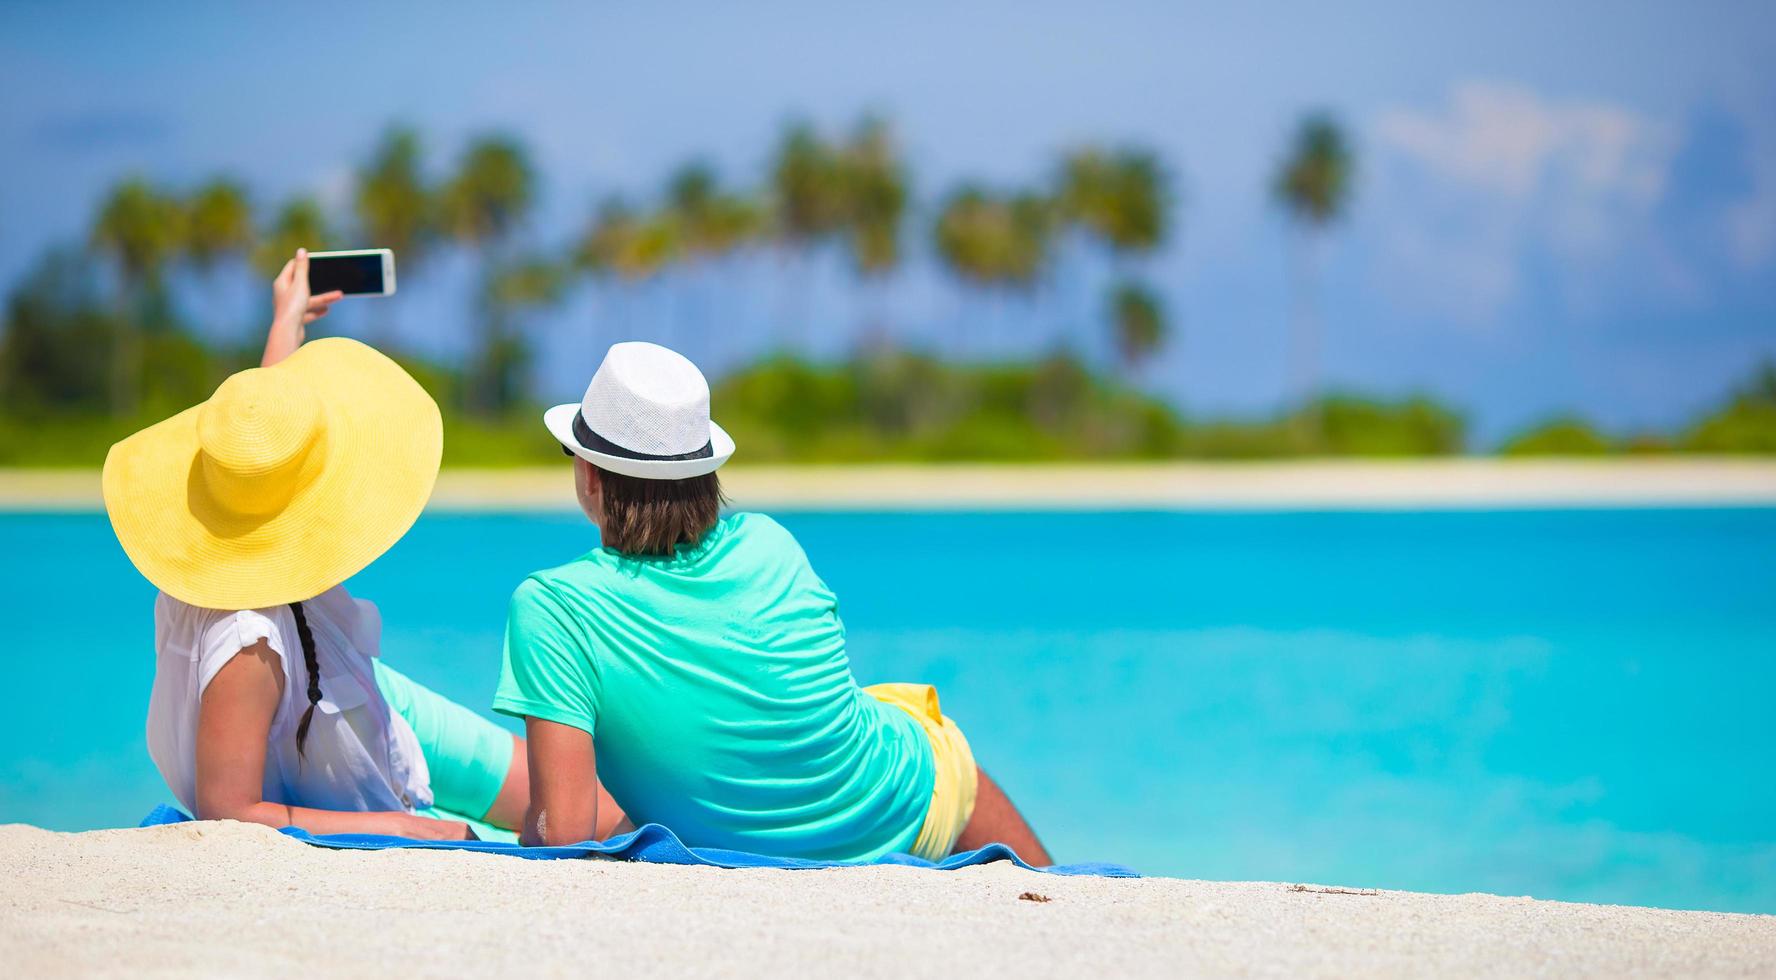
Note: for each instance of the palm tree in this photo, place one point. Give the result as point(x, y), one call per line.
point(394, 206)
point(855, 190)
point(491, 193)
point(806, 200)
point(140, 228)
point(299, 223)
point(512, 291)
point(1140, 323)
point(995, 241)
point(872, 184)
point(218, 224)
point(1121, 199)
point(622, 245)
point(482, 205)
point(621, 242)
point(872, 180)
point(804, 183)
point(1313, 185)
point(710, 223)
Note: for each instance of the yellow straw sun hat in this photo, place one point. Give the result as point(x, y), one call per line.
point(287, 482)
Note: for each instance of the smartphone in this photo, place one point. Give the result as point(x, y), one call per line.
point(359, 272)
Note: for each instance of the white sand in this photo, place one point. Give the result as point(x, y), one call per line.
point(238, 900)
point(1460, 482)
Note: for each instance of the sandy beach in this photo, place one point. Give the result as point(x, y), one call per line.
point(1311, 484)
point(226, 899)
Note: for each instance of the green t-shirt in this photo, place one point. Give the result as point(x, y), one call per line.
point(720, 700)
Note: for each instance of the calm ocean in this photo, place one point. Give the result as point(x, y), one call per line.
point(1566, 704)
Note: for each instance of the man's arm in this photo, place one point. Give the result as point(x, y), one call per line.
point(564, 786)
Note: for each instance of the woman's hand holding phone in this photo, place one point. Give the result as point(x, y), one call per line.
point(293, 309)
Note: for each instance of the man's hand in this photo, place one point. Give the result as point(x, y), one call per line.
point(293, 309)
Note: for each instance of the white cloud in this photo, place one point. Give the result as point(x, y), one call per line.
point(1499, 173)
point(1508, 140)
point(1751, 222)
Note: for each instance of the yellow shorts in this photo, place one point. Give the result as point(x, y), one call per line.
point(952, 795)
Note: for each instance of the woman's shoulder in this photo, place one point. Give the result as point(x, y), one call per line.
point(210, 632)
point(209, 638)
point(176, 615)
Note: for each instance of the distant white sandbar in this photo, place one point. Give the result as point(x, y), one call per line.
point(1462, 483)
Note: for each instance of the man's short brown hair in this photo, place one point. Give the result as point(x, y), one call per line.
point(655, 517)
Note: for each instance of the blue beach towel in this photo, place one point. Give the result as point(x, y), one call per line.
point(655, 844)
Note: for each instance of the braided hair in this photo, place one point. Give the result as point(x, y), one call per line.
point(314, 675)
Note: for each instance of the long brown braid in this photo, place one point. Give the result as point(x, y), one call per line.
point(314, 676)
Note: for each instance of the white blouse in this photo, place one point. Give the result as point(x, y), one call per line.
point(360, 755)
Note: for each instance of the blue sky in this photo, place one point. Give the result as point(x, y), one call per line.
point(1560, 207)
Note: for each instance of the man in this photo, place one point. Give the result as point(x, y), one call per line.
point(696, 664)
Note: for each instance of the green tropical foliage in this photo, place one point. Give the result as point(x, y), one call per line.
point(990, 239)
point(914, 407)
point(218, 223)
point(515, 289)
point(1315, 179)
point(1313, 185)
point(1351, 425)
point(94, 343)
point(299, 223)
point(482, 206)
point(1746, 424)
point(491, 192)
point(395, 207)
point(1140, 322)
point(1567, 435)
point(140, 227)
point(807, 202)
point(620, 241)
point(854, 191)
point(59, 346)
point(55, 324)
point(710, 222)
point(1121, 198)
point(872, 189)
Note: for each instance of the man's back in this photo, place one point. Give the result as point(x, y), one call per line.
point(721, 702)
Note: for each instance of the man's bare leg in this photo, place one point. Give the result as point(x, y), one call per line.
point(997, 821)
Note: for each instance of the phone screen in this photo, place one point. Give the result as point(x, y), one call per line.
point(351, 274)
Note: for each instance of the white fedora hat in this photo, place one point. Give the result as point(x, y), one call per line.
point(645, 414)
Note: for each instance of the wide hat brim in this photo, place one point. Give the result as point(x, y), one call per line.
point(382, 445)
point(559, 421)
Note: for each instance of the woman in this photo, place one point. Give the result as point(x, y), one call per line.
point(247, 511)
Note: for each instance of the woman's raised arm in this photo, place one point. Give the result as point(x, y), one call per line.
point(293, 309)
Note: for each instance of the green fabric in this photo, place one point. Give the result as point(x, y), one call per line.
point(719, 696)
point(468, 755)
point(483, 829)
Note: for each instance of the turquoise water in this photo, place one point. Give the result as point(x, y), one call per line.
point(1567, 704)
